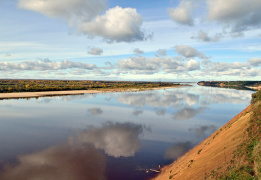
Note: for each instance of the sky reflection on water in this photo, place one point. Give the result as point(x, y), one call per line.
point(110, 135)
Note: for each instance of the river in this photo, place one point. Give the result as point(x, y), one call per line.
point(112, 136)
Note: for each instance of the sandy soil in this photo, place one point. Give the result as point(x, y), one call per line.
point(74, 92)
point(213, 153)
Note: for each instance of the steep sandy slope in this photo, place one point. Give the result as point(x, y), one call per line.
point(214, 153)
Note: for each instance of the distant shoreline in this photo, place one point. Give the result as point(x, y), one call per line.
point(73, 92)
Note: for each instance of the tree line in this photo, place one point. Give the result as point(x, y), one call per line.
point(11, 85)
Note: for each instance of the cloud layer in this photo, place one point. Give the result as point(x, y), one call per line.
point(95, 51)
point(116, 25)
point(46, 64)
point(183, 13)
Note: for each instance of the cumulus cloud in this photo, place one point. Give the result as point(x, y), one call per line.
point(254, 61)
point(42, 65)
point(60, 162)
point(138, 51)
point(118, 24)
point(95, 51)
point(95, 111)
point(143, 65)
point(219, 69)
point(116, 139)
point(78, 72)
point(139, 63)
point(192, 65)
point(241, 15)
point(203, 36)
point(161, 52)
point(189, 52)
point(183, 13)
point(203, 129)
point(70, 10)
point(177, 150)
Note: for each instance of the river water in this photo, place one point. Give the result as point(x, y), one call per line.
point(109, 136)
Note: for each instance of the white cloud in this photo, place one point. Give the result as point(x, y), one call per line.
point(183, 13)
point(240, 15)
point(254, 61)
point(161, 52)
point(70, 10)
point(119, 139)
point(235, 69)
point(78, 72)
point(189, 52)
point(143, 65)
point(138, 51)
point(95, 51)
point(203, 36)
point(44, 65)
point(192, 65)
point(118, 24)
point(139, 63)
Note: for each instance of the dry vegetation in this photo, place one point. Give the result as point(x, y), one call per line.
point(8, 86)
point(232, 152)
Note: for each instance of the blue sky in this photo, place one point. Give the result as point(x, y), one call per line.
point(184, 40)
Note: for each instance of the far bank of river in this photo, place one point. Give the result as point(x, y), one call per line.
point(74, 92)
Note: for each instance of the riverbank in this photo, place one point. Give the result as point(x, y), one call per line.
point(232, 152)
point(74, 92)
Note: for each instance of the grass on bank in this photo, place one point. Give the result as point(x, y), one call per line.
point(246, 162)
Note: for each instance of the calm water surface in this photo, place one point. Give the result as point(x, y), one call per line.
point(109, 136)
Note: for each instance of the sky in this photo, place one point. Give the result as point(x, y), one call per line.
point(166, 40)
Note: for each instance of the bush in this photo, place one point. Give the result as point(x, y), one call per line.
point(256, 97)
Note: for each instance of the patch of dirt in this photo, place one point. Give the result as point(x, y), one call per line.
point(214, 153)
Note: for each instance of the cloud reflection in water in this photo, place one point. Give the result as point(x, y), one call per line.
point(80, 158)
point(116, 139)
point(95, 111)
point(187, 113)
point(177, 150)
point(202, 129)
point(60, 162)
